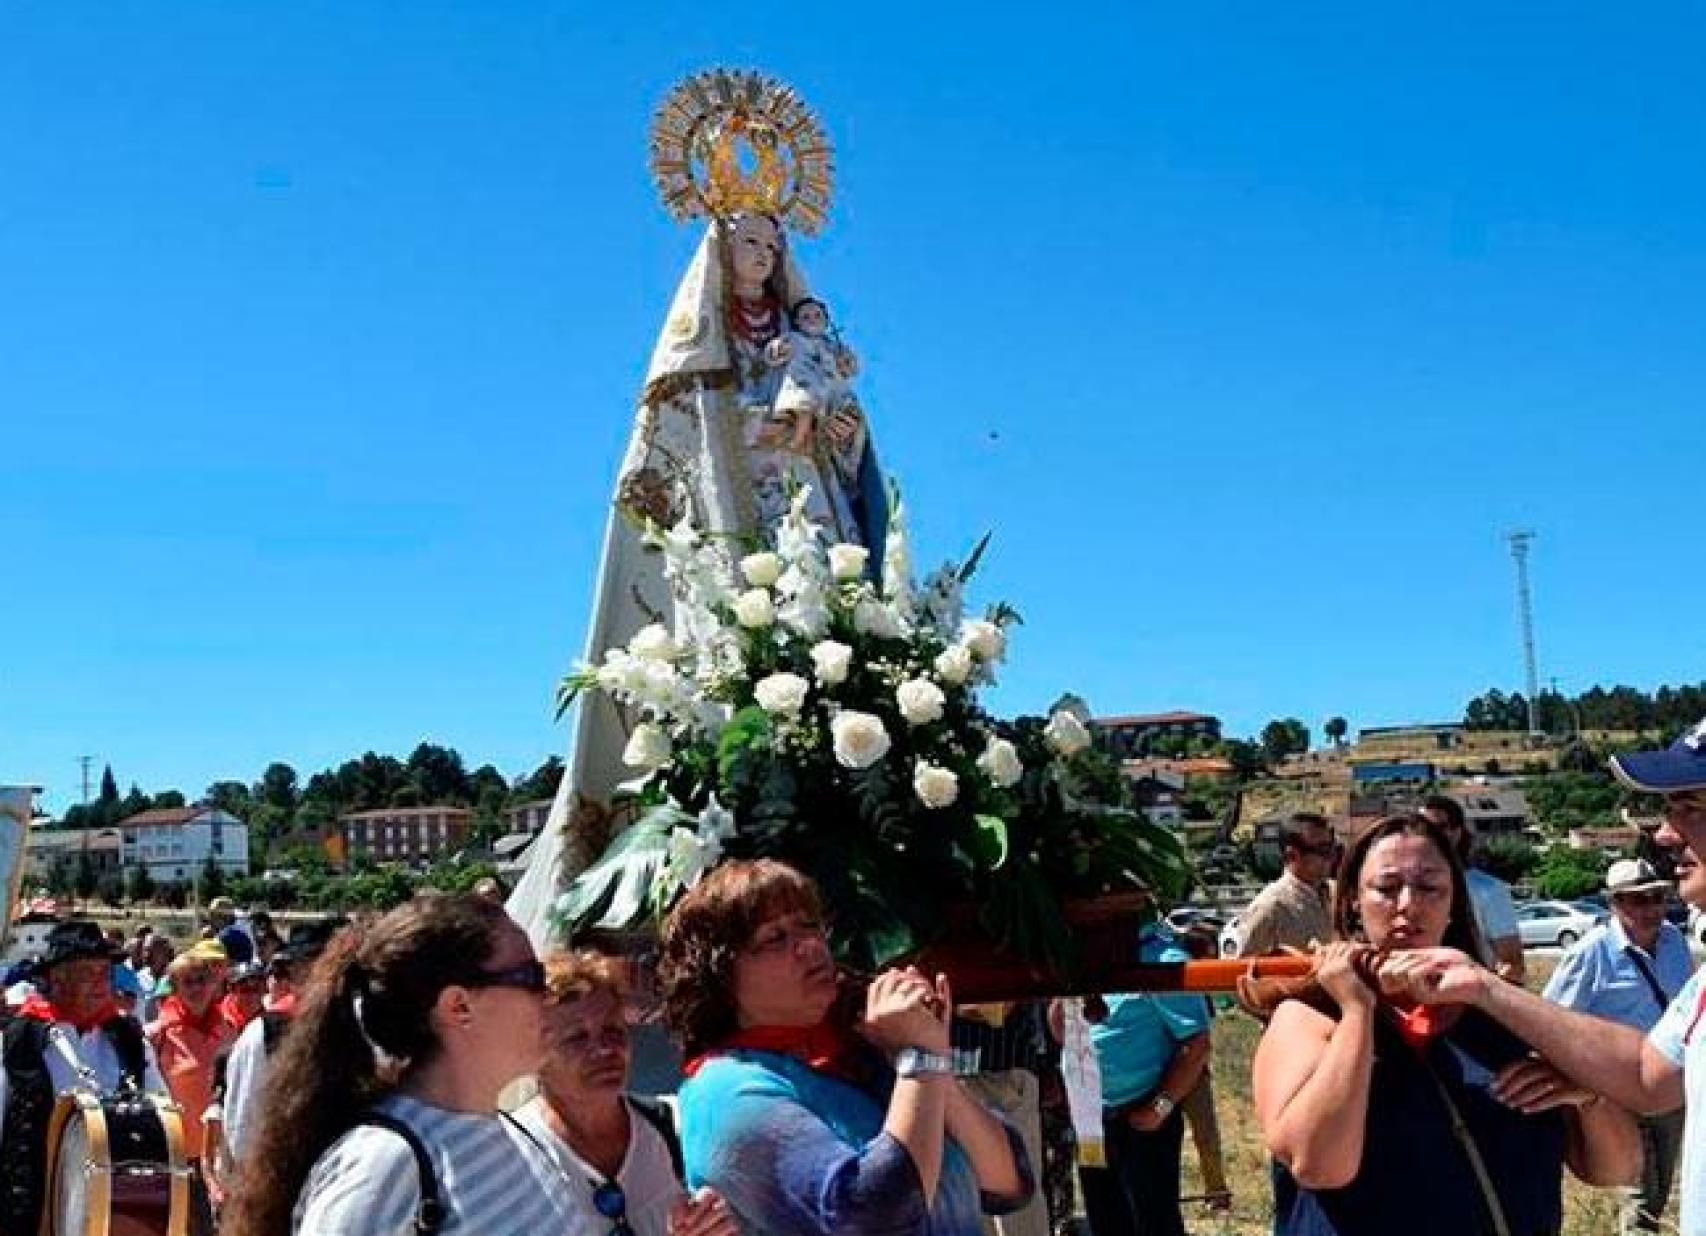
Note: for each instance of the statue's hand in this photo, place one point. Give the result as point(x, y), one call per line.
point(848, 363)
point(779, 351)
point(843, 427)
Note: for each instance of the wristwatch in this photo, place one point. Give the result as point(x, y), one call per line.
point(916, 1062)
point(1163, 1104)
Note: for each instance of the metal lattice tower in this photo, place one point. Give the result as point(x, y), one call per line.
point(1520, 541)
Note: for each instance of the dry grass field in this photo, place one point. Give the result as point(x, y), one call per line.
point(1588, 1212)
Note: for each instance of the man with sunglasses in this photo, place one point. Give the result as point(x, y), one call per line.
point(1294, 911)
point(1646, 1074)
point(1629, 969)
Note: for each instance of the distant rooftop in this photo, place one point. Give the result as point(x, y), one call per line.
point(1155, 718)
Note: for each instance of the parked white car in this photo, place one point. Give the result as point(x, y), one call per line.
point(1551, 922)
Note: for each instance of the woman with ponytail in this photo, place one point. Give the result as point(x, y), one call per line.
point(379, 1115)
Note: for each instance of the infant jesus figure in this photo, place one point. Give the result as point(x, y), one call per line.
point(816, 390)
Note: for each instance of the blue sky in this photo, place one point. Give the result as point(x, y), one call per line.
point(1247, 329)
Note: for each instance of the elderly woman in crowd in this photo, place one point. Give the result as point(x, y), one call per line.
point(618, 1154)
point(1394, 1117)
point(810, 1121)
point(379, 1114)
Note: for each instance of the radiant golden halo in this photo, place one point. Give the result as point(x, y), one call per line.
point(733, 141)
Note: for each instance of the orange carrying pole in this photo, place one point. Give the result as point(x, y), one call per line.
point(994, 984)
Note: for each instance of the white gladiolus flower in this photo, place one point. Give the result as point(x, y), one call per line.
point(830, 662)
point(761, 570)
point(859, 739)
point(691, 856)
point(920, 701)
point(954, 665)
point(754, 609)
point(872, 617)
point(847, 562)
point(654, 643)
point(1066, 733)
point(935, 786)
point(1000, 763)
point(648, 747)
point(783, 694)
point(987, 641)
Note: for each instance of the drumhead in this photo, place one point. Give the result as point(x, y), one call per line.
point(71, 1179)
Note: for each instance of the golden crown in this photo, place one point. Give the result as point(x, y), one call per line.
point(732, 141)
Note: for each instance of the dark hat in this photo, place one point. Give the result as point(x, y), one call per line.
point(1676, 769)
point(78, 940)
point(307, 941)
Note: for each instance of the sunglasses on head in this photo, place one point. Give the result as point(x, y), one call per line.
point(609, 1200)
point(528, 976)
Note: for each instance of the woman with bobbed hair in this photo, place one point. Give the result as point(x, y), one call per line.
point(379, 1115)
point(809, 1113)
point(1397, 1117)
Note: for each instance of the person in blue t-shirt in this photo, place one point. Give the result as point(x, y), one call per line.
point(1151, 1051)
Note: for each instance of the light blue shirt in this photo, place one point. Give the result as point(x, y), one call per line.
point(1679, 1038)
point(1141, 1034)
point(1599, 975)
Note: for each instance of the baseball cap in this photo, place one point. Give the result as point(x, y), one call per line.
point(1633, 875)
point(1675, 769)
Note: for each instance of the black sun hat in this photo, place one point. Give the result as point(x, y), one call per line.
point(77, 940)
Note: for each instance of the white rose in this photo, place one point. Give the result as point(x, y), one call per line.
point(1066, 733)
point(954, 665)
point(920, 701)
point(935, 786)
point(648, 747)
point(872, 617)
point(847, 562)
point(987, 641)
point(859, 738)
point(831, 661)
point(761, 570)
point(783, 694)
point(1000, 763)
point(654, 643)
point(754, 609)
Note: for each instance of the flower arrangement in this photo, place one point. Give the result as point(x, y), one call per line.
point(810, 709)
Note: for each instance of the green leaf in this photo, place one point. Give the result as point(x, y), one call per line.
point(988, 842)
point(614, 893)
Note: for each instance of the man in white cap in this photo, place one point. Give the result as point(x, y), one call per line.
point(1630, 969)
point(1647, 1074)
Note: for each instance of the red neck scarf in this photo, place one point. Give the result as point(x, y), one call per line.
point(40, 1008)
point(825, 1048)
point(284, 1003)
point(1417, 1024)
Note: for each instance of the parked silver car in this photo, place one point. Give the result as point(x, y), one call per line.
point(1551, 922)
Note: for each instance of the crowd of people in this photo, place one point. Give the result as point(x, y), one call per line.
point(360, 1079)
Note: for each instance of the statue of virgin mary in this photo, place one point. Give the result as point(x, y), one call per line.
point(720, 437)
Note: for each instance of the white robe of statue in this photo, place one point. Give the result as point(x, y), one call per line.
point(712, 442)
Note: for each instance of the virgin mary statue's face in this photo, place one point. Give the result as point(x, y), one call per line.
point(755, 250)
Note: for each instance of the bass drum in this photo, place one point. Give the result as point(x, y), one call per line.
point(116, 1167)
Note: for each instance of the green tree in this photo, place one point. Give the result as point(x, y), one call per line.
point(1335, 730)
point(1285, 737)
point(139, 886)
point(85, 881)
point(211, 883)
point(231, 797)
point(278, 787)
point(1566, 874)
point(542, 782)
point(1248, 759)
point(108, 804)
point(135, 802)
point(168, 799)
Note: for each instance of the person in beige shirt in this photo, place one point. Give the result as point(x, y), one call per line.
point(1294, 910)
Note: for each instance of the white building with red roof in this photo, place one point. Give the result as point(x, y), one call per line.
point(174, 843)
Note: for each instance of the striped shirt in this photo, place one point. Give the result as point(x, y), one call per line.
point(492, 1180)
